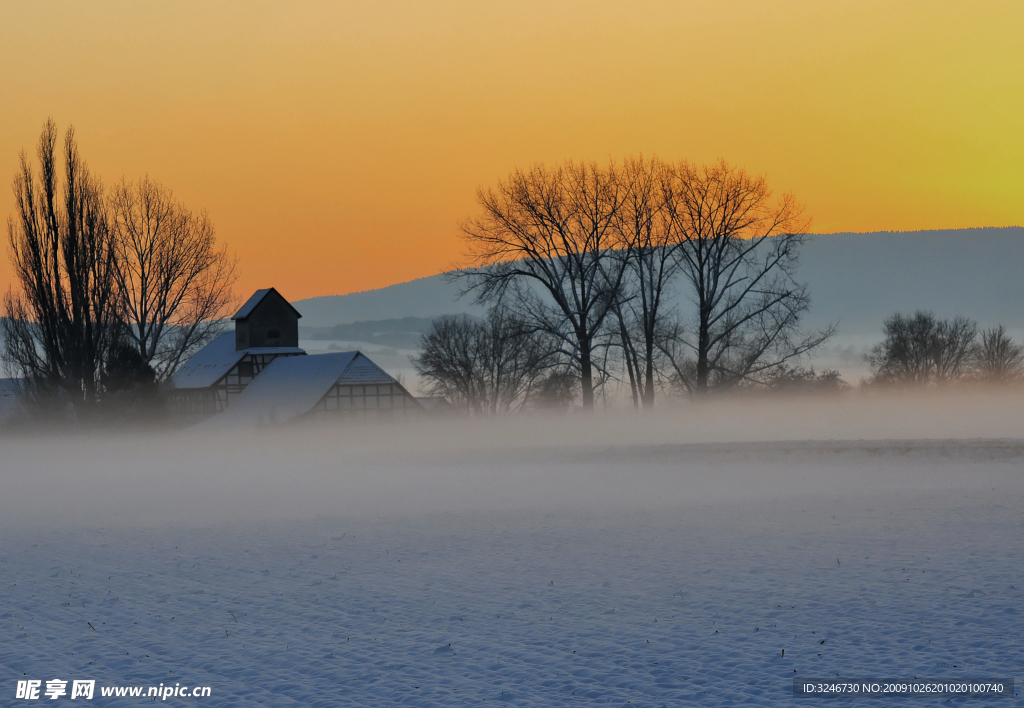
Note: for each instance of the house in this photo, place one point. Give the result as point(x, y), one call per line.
point(266, 328)
point(320, 387)
point(259, 373)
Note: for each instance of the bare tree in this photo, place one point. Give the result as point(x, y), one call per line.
point(797, 379)
point(62, 321)
point(448, 361)
point(738, 250)
point(546, 242)
point(999, 358)
point(955, 347)
point(491, 367)
point(557, 390)
point(921, 349)
point(174, 282)
point(651, 248)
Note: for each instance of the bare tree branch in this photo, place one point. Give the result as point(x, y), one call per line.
point(174, 283)
point(552, 232)
point(650, 245)
point(738, 251)
point(65, 315)
point(495, 366)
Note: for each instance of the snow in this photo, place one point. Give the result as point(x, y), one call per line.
point(207, 366)
point(654, 575)
point(287, 388)
point(210, 363)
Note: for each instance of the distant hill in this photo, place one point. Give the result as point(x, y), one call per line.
point(396, 333)
point(855, 279)
point(423, 297)
point(860, 279)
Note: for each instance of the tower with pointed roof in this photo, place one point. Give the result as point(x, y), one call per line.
point(266, 320)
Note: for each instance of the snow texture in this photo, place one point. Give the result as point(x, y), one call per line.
point(687, 601)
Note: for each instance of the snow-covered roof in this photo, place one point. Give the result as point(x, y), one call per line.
point(291, 386)
point(255, 300)
point(209, 364)
point(363, 371)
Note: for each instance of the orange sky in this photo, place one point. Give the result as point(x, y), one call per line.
point(337, 145)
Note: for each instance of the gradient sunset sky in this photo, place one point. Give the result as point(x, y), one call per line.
point(337, 145)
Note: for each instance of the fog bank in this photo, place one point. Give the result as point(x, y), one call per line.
point(739, 451)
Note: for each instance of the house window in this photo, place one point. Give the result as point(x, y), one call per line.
point(273, 334)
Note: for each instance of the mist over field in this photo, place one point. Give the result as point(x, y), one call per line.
point(707, 554)
point(718, 549)
point(742, 450)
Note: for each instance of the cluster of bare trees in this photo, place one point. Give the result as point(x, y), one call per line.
point(589, 256)
point(492, 366)
point(922, 350)
point(115, 289)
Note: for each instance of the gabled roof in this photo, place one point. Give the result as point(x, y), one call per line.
point(291, 386)
point(209, 364)
point(256, 299)
point(363, 371)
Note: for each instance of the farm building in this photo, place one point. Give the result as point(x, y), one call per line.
point(208, 382)
point(259, 373)
point(322, 386)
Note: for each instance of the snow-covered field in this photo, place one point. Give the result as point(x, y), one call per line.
point(649, 574)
